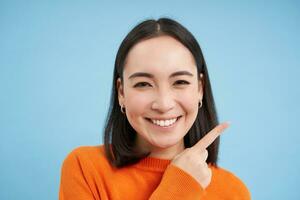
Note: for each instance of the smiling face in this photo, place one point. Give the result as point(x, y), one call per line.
point(160, 94)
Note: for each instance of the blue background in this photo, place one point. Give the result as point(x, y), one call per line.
point(56, 64)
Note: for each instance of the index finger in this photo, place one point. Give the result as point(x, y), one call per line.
point(211, 136)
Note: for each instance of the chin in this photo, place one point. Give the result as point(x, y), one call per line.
point(166, 144)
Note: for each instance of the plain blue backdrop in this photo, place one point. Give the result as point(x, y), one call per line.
point(56, 64)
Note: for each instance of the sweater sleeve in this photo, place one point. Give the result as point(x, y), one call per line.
point(177, 184)
point(73, 185)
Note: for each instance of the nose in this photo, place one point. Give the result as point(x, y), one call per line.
point(164, 101)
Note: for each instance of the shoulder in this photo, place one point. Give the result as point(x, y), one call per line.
point(229, 182)
point(87, 150)
point(81, 171)
point(86, 155)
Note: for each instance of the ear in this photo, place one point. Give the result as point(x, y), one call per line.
point(120, 90)
point(201, 86)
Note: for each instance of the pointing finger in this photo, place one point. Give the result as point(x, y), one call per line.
point(211, 136)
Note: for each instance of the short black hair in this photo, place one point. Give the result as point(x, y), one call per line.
point(119, 135)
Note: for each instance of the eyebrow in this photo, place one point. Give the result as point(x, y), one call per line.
point(148, 75)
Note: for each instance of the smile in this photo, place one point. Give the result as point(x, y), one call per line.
point(164, 123)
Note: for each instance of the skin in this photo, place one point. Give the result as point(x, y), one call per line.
point(160, 96)
point(193, 160)
point(163, 96)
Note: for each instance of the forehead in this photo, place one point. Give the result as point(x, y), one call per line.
point(160, 55)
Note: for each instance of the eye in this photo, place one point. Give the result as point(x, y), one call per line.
point(141, 84)
point(182, 82)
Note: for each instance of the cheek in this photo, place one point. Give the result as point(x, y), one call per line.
point(191, 109)
point(190, 100)
point(136, 104)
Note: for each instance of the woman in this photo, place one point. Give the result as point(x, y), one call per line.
point(162, 135)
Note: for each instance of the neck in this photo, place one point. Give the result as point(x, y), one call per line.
point(167, 153)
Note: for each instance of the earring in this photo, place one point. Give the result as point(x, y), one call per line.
point(200, 104)
point(123, 111)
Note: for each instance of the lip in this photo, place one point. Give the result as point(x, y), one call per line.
point(164, 129)
point(165, 118)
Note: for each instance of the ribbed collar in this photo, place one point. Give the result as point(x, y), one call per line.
point(153, 164)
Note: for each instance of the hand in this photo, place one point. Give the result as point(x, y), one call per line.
point(193, 159)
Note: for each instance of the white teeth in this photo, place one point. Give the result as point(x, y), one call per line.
point(164, 122)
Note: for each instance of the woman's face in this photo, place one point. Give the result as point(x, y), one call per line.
point(160, 94)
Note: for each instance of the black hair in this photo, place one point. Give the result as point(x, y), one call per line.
point(119, 135)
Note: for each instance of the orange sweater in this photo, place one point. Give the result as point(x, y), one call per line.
point(87, 174)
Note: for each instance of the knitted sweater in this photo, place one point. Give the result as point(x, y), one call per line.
point(87, 174)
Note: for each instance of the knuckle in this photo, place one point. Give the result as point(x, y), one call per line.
point(205, 151)
point(190, 155)
point(205, 154)
point(208, 180)
point(206, 173)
